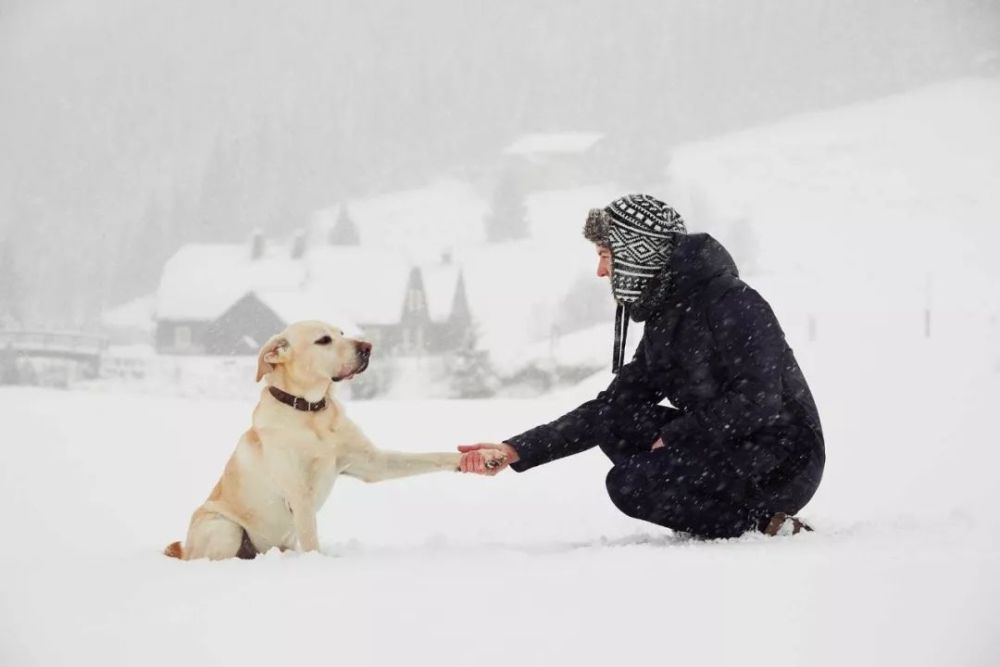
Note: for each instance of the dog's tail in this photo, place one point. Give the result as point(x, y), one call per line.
point(174, 550)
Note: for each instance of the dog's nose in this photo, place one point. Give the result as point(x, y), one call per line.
point(364, 349)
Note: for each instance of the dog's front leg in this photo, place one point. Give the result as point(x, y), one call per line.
point(375, 465)
point(304, 517)
point(294, 479)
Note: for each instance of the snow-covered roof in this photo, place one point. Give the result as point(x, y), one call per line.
point(557, 142)
point(351, 284)
point(513, 289)
point(367, 285)
point(202, 280)
point(295, 306)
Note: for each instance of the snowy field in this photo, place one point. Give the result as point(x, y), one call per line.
point(536, 568)
point(539, 568)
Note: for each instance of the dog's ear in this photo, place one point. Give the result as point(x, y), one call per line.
point(275, 351)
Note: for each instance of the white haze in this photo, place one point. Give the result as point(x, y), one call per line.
point(112, 111)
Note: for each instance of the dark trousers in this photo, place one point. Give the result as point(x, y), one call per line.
point(706, 493)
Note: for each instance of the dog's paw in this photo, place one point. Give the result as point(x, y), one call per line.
point(493, 459)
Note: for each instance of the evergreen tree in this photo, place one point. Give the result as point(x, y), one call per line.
point(472, 376)
point(344, 231)
point(508, 219)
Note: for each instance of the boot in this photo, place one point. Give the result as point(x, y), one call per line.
point(783, 524)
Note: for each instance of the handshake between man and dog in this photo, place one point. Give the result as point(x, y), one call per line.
point(300, 440)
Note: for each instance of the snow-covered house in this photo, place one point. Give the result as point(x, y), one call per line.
point(224, 299)
point(405, 308)
point(414, 276)
point(543, 161)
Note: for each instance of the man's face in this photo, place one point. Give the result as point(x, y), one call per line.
point(603, 262)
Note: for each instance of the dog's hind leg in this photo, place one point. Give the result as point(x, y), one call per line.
point(215, 537)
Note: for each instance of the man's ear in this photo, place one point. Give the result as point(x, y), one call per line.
point(275, 351)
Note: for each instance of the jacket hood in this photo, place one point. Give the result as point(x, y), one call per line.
point(697, 259)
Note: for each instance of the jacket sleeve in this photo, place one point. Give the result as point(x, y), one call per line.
point(628, 405)
point(751, 349)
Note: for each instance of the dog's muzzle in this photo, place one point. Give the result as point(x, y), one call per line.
point(363, 354)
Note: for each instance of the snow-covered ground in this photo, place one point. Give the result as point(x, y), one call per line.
point(536, 568)
point(863, 218)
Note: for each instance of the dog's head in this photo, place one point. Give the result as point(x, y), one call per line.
point(313, 352)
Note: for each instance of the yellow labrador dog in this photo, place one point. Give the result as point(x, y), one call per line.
point(284, 467)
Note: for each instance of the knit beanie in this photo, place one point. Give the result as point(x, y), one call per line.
point(641, 232)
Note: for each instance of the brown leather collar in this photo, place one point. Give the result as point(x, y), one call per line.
point(297, 402)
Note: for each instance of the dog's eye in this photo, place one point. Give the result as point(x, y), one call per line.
point(325, 340)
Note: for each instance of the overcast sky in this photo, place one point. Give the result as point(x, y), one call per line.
point(117, 110)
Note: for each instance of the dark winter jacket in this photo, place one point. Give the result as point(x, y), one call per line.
point(714, 348)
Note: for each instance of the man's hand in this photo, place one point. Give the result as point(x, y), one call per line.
point(486, 458)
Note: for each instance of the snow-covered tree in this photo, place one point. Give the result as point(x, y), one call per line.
point(344, 231)
point(508, 217)
point(472, 376)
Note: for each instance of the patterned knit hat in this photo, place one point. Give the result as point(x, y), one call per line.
point(641, 232)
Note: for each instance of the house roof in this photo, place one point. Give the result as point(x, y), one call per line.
point(513, 288)
point(202, 280)
point(552, 143)
point(356, 284)
point(295, 306)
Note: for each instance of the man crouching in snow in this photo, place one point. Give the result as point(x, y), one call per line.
point(743, 450)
